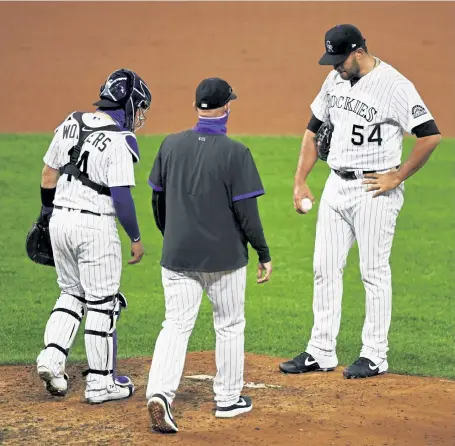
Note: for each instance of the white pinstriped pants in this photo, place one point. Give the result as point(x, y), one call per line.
point(348, 213)
point(88, 261)
point(87, 252)
point(183, 295)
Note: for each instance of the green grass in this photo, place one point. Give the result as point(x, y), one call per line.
point(279, 314)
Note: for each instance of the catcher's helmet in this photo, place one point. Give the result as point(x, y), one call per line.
point(125, 89)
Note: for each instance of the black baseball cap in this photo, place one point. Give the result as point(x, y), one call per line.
point(213, 93)
point(340, 41)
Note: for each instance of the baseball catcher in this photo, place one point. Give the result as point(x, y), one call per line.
point(85, 184)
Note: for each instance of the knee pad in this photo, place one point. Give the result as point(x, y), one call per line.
point(63, 324)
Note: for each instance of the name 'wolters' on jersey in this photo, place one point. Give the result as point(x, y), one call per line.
point(369, 117)
point(107, 158)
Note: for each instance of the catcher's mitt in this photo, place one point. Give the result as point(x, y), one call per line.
point(38, 243)
point(323, 138)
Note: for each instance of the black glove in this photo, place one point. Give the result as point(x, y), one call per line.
point(323, 138)
point(38, 244)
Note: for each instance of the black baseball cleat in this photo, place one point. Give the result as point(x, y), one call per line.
point(160, 414)
point(365, 368)
point(303, 363)
point(243, 405)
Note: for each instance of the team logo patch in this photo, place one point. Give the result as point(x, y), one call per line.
point(418, 111)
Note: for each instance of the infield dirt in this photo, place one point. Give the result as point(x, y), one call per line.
point(314, 409)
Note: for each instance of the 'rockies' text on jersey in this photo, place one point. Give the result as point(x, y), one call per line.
point(106, 157)
point(369, 117)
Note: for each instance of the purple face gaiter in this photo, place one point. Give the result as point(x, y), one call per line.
point(212, 126)
point(118, 115)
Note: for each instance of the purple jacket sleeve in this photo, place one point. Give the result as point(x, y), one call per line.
point(126, 212)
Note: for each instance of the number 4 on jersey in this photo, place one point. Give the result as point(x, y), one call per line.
point(82, 164)
point(357, 135)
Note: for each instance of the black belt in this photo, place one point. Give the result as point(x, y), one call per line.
point(351, 174)
point(82, 211)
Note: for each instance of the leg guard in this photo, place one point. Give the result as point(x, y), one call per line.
point(120, 380)
point(60, 332)
point(100, 343)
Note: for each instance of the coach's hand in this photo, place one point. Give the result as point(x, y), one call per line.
point(264, 267)
point(382, 182)
point(137, 251)
point(301, 191)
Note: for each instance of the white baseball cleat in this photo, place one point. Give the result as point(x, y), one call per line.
point(55, 385)
point(161, 415)
point(113, 393)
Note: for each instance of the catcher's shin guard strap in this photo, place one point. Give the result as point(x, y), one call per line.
point(120, 297)
point(79, 298)
point(101, 301)
point(72, 313)
point(62, 327)
point(58, 347)
point(97, 372)
point(103, 334)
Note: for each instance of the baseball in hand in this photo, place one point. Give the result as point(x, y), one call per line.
point(306, 204)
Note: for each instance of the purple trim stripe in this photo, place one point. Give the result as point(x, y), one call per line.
point(155, 187)
point(256, 193)
point(133, 147)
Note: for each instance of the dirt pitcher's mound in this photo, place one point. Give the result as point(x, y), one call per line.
point(315, 409)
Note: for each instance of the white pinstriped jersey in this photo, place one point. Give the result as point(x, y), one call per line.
point(106, 157)
point(369, 118)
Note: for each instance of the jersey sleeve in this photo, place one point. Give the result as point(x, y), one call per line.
point(120, 167)
point(245, 179)
point(408, 107)
point(320, 106)
point(53, 156)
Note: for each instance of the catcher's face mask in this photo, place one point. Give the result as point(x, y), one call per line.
point(139, 119)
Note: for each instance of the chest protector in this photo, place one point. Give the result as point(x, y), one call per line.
point(71, 168)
